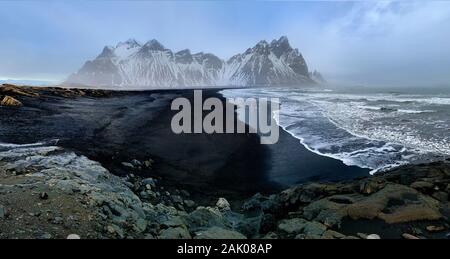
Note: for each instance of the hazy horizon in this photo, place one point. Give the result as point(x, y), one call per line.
point(363, 42)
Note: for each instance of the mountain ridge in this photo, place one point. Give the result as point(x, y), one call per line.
point(151, 65)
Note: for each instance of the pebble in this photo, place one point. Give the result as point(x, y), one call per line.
point(148, 163)
point(373, 236)
point(136, 163)
point(435, 228)
point(57, 220)
point(127, 165)
point(73, 236)
point(45, 236)
point(409, 236)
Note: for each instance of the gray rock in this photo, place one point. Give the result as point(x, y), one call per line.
point(141, 225)
point(270, 235)
point(177, 199)
point(223, 205)
point(73, 236)
point(206, 217)
point(149, 181)
point(175, 233)
point(115, 230)
point(314, 230)
point(58, 220)
point(148, 163)
point(128, 165)
point(292, 226)
point(330, 234)
point(373, 236)
point(261, 203)
point(45, 236)
point(136, 163)
point(218, 233)
point(175, 221)
point(189, 203)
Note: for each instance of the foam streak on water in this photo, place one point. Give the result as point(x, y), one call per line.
point(372, 130)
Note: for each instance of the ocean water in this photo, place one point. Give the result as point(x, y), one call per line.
point(370, 128)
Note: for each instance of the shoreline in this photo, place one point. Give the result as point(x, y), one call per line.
point(119, 128)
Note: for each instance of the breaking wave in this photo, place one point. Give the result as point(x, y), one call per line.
point(374, 131)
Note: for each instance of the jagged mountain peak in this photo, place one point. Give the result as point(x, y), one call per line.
point(108, 52)
point(130, 43)
point(154, 45)
point(152, 65)
point(280, 46)
point(184, 56)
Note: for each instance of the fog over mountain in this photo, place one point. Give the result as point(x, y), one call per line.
point(131, 64)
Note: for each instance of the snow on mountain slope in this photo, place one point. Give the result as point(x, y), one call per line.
point(133, 65)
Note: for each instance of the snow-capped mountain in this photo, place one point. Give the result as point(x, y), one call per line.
point(134, 65)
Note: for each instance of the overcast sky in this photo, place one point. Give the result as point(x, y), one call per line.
point(365, 42)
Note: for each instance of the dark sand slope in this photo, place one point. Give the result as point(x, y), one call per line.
point(122, 126)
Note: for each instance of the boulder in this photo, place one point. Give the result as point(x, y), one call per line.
point(206, 217)
point(219, 233)
point(10, 102)
point(329, 211)
point(175, 233)
point(223, 205)
point(393, 204)
point(314, 230)
point(261, 203)
point(396, 204)
point(292, 226)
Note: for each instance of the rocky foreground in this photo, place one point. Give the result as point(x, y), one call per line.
point(49, 192)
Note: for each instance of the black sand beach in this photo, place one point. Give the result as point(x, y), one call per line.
point(123, 126)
